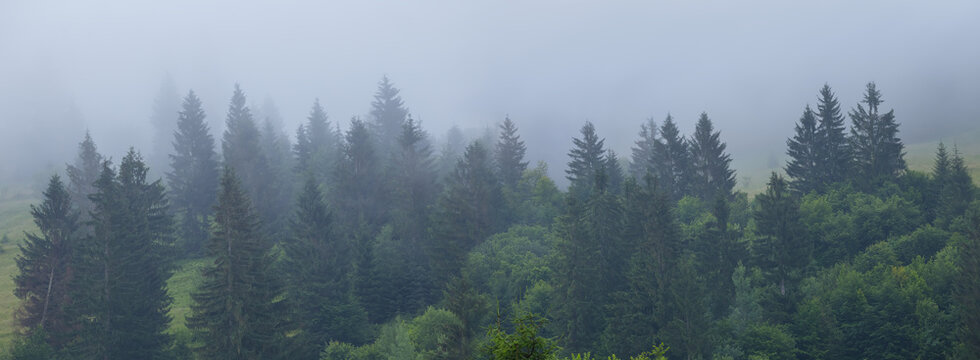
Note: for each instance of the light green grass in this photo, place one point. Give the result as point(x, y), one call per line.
point(15, 218)
point(181, 284)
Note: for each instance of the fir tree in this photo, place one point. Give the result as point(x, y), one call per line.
point(194, 174)
point(804, 152)
point(279, 178)
point(645, 151)
point(580, 285)
point(588, 160)
point(451, 151)
point(614, 173)
point(509, 154)
point(940, 180)
point(82, 176)
point(317, 145)
point(834, 158)
point(782, 250)
point(412, 183)
point(45, 266)
point(711, 172)
point(237, 310)
point(966, 292)
point(359, 189)
point(878, 152)
point(672, 160)
point(388, 113)
point(242, 151)
point(957, 191)
point(119, 299)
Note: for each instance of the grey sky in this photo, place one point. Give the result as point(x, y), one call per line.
point(550, 65)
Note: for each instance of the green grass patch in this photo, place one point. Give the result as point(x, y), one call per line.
point(181, 284)
point(15, 219)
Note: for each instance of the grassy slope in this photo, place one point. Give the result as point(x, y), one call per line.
point(15, 218)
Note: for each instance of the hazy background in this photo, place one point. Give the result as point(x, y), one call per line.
point(67, 66)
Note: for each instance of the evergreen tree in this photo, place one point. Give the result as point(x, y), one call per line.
point(614, 173)
point(388, 113)
point(119, 298)
point(237, 310)
point(804, 152)
point(359, 181)
point(966, 292)
point(834, 158)
point(317, 145)
point(45, 266)
point(82, 176)
point(580, 282)
point(645, 151)
point(781, 250)
point(412, 183)
point(878, 152)
point(242, 151)
point(317, 265)
point(452, 150)
point(711, 172)
point(672, 161)
point(588, 160)
point(957, 191)
point(165, 109)
point(193, 177)
point(509, 154)
point(940, 179)
point(279, 178)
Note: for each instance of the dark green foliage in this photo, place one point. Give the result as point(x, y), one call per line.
point(781, 251)
point(768, 342)
point(688, 323)
point(644, 153)
point(388, 114)
point(359, 182)
point(588, 160)
point(509, 154)
point(967, 290)
point(82, 176)
point(237, 310)
point(279, 179)
point(242, 150)
point(805, 155)
point(834, 158)
point(878, 152)
point(33, 346)
point(614, 173)
point(673, 161)
point(411, 181)
point(317, 146)
point(193, 178)
point(119, 295)
point(711, 172)
point(956, 189)
point(524, 343)
point(45, 266)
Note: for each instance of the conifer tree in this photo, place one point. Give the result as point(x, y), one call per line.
point(82, 176)
point(580, 288)
point(45, 266)
point(119, 297)
point(834, 149)
point(940, 179)
point(958, 190)
point(237, 310)
point(279, 178)
point(672, 162)
point(711, 172)
point(242, 151)
point(317, 145)
point(451, 151)
point(388, 113)
point(966, 293)
point(644, 153)
point(412, 183)
point(614, 173)
point(782, 250)
point(359, 180)
point(165, 109)
point(509, 154)
point(193, 177)
point(805, 158)
point(588, 160)
point(877, 150)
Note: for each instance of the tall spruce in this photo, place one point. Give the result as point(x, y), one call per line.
point(193, 177)
point(452, 150)
point(82, 176)
point(119, 297)
point(804, 152)
point(317, 267)
point(242, 151)
point(966, 291)
point(237, 310)
point(957, 192)
point(781, 250)
point(672, 161)
point(509, 154)
point(614, 173)
point(45, 266)
point(588, 160)
point(834, 158)
point(580, 287)
point(711, 166)
point(388, 113)
point(645, 151)
point(412, 183)
point(877, 150)
point(279, 178)
point(317, 145)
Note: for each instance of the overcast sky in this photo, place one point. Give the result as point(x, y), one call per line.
point(551, 65)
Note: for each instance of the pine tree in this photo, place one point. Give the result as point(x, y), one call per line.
point(805, 158)
point(834, 149)
point(782, 250)
point(645, 152)
point(711, 172)
point(672, 161)
point(469, 211)
point(388, 113)
point(119, 299)
point(45, 266)
point(588, 160)
point(509, 154)
point(193, 177)
point(237, 310)
point(165, 109)
point(878, 152)
point(82, 176)
point(317, 265)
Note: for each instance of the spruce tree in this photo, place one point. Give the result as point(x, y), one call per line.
point(509, 154)
point(966, 292)
point(805, 158)
point(614, 173)
point(711, 172)
point(588, 160)
point(834, 160)
point(672, 161)
point(278, 178)
point(82, 176)
point(237, 310)
point(580, 281)
point(119, 297)
point(193, 177)
point(388, 113)
point(940, 180)
point(451, 151)
point(242, 151)
point(317, 145)
point(645, 151)
point(412, 183)
point(877, 150)
point(359, 181)
point(957, 192)
point(45, 266)
point(781, 250)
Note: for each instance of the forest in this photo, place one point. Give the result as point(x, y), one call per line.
point(377, 242)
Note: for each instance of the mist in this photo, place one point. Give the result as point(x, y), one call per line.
point(67, 67)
